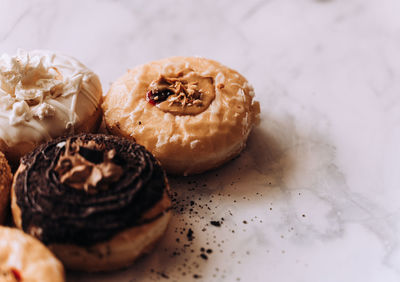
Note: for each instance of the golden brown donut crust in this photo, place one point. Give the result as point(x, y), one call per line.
point(5, 184)
point(120, 251)
point(185, 144)
point(28, 257)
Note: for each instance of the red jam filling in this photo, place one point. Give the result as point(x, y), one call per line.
point(16, 274)
point(158, 97)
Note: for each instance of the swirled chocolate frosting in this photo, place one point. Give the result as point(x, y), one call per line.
point(86, 188)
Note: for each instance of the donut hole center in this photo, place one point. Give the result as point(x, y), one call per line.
point(92, 155)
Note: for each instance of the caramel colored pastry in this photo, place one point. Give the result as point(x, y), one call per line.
point(23, 258)
point(97, 201)
point(44, 95)
point(5, 184)
point(192, 113)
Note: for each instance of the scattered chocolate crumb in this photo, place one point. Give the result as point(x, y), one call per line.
point(303, 215)
point(140, 122)
point(163, 275)
point(203, 210)
point(215, 223)
point(189, 235)
point(204, 256)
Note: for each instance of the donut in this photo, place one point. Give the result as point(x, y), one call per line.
point(192, 113)
point(97, 201)
point(5, 184)
point(24, 258)
point(44, 95)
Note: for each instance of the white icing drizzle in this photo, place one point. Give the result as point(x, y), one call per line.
point(43, 95)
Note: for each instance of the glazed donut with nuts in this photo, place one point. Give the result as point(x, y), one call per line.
point(192, 113)
point(97, 201)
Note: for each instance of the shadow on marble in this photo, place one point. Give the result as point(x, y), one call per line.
point(169, 259)
point(263, 162)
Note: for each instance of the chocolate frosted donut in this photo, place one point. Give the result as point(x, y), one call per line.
point(85, 190)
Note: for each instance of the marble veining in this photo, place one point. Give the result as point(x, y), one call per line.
point(315, 195)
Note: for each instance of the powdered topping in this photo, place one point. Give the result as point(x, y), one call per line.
point(87, 166)
point(183, 93)
point(27, 81)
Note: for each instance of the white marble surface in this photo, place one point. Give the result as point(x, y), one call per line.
point(318, 184)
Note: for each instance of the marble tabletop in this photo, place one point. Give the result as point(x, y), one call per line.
point(315, 196)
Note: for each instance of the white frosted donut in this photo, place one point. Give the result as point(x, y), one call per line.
point(192, 113)
point(23, 258)
point(44, 95)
